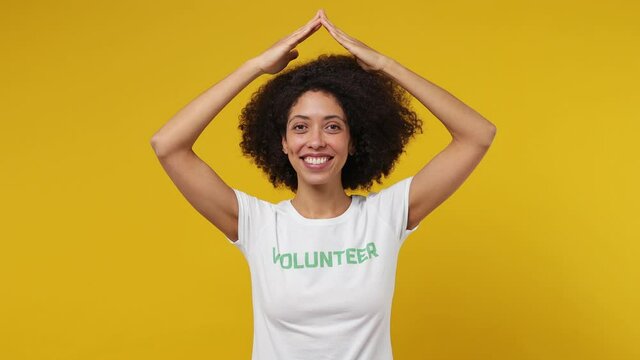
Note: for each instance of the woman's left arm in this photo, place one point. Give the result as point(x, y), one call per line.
point(471, 133)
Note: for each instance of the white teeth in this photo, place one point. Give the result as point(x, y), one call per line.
point(312, 160)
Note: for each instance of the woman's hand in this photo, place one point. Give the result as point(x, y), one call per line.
point(278, 56)
point(367, 58)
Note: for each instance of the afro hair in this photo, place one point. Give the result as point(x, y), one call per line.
point(378, 114)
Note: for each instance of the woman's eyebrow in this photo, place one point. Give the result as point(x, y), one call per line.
point(328, 117)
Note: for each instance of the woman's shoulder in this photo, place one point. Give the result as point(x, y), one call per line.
point(395, 192)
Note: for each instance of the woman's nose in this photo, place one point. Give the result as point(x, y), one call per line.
point(316, 138)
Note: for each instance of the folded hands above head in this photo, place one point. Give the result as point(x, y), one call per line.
point(278, 56)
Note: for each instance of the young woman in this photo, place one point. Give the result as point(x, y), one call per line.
point(323, 263)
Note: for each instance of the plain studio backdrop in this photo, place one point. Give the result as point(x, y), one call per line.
point(534, 257)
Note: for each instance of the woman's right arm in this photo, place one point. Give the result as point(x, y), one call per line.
point(173, 143)
point(184, 128)
point(196, 180)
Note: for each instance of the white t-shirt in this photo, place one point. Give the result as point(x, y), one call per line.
point(323, 288)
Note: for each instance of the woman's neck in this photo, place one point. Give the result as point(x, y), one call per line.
point(320, 201)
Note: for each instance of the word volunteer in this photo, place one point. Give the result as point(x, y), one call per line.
point(325, 258)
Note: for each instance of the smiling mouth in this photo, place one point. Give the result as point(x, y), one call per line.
point(317, 163)
point(320, 157)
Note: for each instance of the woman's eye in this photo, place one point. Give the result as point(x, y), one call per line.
point(302, 126)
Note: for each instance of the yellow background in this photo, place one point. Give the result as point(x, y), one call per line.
point(534, 257)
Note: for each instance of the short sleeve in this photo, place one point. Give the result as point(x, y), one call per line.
point(252, 215)
point(392, 206)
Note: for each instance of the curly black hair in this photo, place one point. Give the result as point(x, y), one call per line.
point(378, 114)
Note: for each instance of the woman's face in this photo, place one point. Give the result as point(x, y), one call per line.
point(317, 138)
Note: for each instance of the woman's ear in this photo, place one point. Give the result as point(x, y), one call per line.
point(285, 148)
point(352, 147)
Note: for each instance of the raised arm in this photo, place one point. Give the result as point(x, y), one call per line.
point(182, 130)
point(173, 143)
point(471, 133)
